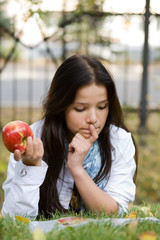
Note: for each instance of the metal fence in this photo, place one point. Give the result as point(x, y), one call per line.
point(27, 69)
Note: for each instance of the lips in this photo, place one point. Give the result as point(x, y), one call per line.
point(87, 130)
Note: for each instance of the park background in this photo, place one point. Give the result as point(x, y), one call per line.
point(36, 36)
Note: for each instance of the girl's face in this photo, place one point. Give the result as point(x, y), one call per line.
point(90, 106)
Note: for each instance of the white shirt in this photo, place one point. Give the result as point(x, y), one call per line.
point(22, 186)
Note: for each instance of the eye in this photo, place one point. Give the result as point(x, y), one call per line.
point(103, 107)
point(79, 109)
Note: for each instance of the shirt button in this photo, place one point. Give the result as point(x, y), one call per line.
point(23, 172)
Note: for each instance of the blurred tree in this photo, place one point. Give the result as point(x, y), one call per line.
point(78, 25)
point(145, 61)
point(73, 31)
point(6, 33)
point(90, 5)
point(5, 21)
point(9, 29)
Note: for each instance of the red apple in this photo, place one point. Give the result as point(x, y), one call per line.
point(14, 135)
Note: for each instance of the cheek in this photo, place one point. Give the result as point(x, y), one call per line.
point(73, 121)
point(103, 118)
point(104, 115)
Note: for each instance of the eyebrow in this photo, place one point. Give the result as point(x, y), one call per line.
point(106, 100)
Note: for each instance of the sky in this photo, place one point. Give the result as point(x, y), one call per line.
point(130, 34)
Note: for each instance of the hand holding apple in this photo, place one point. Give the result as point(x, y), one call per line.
point(33, 154)
point(14, 135)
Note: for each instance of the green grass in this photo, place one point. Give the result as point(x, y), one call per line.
point(148, 143)
point(12, 229)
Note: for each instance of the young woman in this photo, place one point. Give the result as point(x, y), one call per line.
point(82, 156)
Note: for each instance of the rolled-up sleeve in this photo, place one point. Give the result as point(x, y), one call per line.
point(120, 185)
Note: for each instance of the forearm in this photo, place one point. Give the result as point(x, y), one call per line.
point(94, 198)
point(22, 201)
point(22, 190)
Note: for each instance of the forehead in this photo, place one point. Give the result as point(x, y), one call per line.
point(91, 92)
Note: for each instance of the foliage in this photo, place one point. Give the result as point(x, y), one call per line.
point(90, 5)
point(56, 26)
point(4, 19)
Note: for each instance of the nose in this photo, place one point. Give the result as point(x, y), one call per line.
point(92, 117)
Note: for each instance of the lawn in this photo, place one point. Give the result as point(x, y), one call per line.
point(144, 230)
point(148, 193)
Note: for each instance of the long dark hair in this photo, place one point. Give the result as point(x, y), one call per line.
point(75, 72)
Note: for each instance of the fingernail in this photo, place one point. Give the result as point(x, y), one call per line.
point(29, 139)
